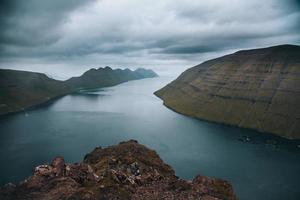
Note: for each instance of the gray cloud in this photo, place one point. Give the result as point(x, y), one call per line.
point(164, 34)
point(33, 23)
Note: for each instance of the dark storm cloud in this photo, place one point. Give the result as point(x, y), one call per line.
point(237, 24)
point(28, 23)
point(139, 32)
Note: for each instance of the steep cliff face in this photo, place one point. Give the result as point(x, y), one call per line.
point(257, 89)
point(20, 90)
point(125, 171)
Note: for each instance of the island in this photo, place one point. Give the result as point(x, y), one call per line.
point(21, 90)
point(128, 170)
point(257, 89)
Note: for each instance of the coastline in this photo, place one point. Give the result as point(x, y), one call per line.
point(34, 106)
point(68, 90)
point(226, 124)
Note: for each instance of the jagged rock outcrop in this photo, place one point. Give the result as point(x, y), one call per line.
point(257, 89)
point(20, 90)
point(125, 171)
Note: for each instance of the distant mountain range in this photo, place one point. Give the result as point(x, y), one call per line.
point(20, 90)
point(257, 89)
point(104, 77)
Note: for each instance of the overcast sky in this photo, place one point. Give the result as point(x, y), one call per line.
point(64, 38)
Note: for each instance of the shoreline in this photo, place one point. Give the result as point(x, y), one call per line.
point(33, 107)
point(229, 125)
point(51, 100)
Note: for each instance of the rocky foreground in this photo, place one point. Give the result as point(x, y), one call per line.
point(257, 89)
point(125, 171)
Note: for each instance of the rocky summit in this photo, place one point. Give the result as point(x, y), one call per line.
point(126, 171)
point(257, 89)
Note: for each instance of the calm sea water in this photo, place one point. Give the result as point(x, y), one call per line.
point(75, 124)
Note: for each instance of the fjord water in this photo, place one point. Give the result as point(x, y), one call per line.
point(75, 124)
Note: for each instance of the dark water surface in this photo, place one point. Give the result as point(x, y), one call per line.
point(75, 124)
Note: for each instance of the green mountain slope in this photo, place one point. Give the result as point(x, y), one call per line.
point(257, 89)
